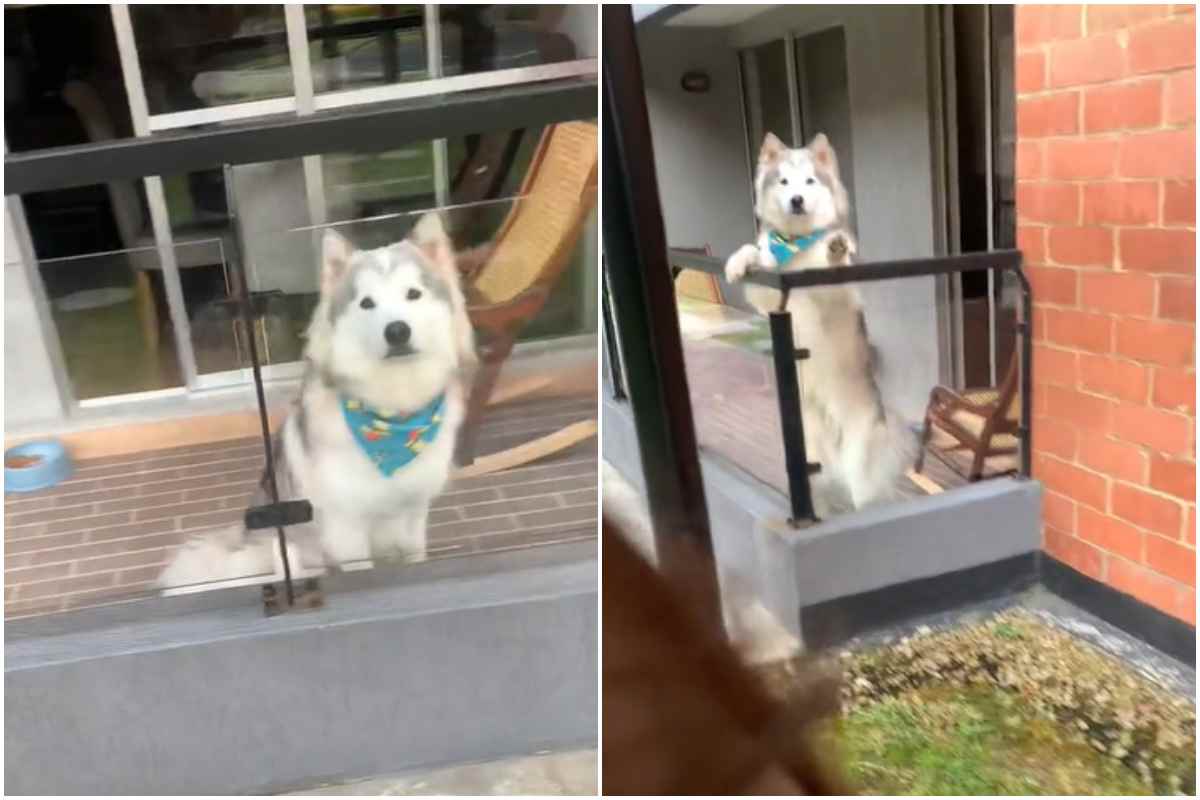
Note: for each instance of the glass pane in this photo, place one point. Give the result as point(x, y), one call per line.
point(821, 76)
point(550, 499)
point(62, 77)
point(489, 37)
point(113, 322)
point(272, 199)
point(373, 184)
point(765, 89)
point(892, 366)
point(109, 533)
point(200, 56)
point(484, 174)
point(353, 46)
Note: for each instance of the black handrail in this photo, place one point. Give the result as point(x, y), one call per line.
point(361, 129)
point(785, 353)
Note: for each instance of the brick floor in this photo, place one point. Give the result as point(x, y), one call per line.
point(106, 533)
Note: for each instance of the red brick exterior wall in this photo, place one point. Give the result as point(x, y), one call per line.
point(1106, 207)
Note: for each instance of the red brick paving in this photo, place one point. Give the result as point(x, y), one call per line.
point(106, 533)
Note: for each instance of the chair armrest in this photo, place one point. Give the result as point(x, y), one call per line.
point(952, 401)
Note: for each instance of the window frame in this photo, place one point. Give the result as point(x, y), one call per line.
point(304, 101)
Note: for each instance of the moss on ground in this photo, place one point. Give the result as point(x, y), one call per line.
point(1010, 706)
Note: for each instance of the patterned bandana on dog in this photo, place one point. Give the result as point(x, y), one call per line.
point(784, 249)
point(392, 442)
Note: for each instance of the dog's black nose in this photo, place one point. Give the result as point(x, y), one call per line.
point(397, 333)
point(797, 205)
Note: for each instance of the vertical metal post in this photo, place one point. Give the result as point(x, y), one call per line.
point(247, 309)
point(1025, 328)
point(647, 322)
point(787, 389)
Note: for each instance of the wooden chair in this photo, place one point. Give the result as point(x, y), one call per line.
point(985, 422)
point(509, 280)
point(696, 284)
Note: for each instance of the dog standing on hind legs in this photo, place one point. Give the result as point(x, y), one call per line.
point(370, 438)
point(863, 446)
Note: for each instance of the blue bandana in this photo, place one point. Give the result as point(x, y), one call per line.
point(783, 249)
point(392, 442)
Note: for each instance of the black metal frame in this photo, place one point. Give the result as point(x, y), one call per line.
point(378, 127)
point(639, 278)
point(785, 354)
point(362, 129)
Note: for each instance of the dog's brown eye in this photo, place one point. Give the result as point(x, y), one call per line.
point(414, 294)
point(367, 303)
point(783, 181)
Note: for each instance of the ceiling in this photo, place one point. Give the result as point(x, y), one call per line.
point(697, 16)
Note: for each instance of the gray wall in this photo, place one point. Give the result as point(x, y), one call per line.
point(699, 141)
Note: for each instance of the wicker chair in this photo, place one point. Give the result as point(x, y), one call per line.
point(985, 422)
point(509, 280)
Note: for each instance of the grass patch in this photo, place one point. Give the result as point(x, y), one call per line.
point(976, 741)
point(1013, 705)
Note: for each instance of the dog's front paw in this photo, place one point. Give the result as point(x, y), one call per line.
point(842, 248)
point(740, 262)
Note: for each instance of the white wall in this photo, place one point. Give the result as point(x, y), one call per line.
point(31, 393)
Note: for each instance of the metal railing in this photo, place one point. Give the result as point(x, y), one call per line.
point(785, 352)
point(374, 128)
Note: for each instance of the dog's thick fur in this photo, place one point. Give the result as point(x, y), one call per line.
point(684, 714)
point(863, 446)
point(359, 514)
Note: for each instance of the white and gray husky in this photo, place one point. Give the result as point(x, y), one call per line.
point(370, 439)
point(863, 446)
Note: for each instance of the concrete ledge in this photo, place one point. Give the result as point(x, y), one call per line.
point(385, 679)
point(787, 570)
point(920, 538)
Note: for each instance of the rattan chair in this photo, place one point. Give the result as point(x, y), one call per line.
point(508, 281)
point(985, 422)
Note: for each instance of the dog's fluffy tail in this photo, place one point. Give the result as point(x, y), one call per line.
point(221, 560)
point(878, 458)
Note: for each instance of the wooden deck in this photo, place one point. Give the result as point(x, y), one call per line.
point(732, 385)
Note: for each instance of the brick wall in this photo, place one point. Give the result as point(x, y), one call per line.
point(1106, 211)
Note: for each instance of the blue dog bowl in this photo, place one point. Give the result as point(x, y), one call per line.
point(52, 467)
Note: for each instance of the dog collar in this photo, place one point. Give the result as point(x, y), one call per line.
point(784, 249)
point(392, 442)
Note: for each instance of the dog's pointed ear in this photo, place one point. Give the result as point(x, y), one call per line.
point(430, 237)
point(822, 153)
point(772, 149)
point(336, 251)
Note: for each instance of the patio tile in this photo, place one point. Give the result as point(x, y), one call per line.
point(104, 535)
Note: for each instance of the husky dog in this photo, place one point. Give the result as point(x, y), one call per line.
point(370, 439)
point(802, 206)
